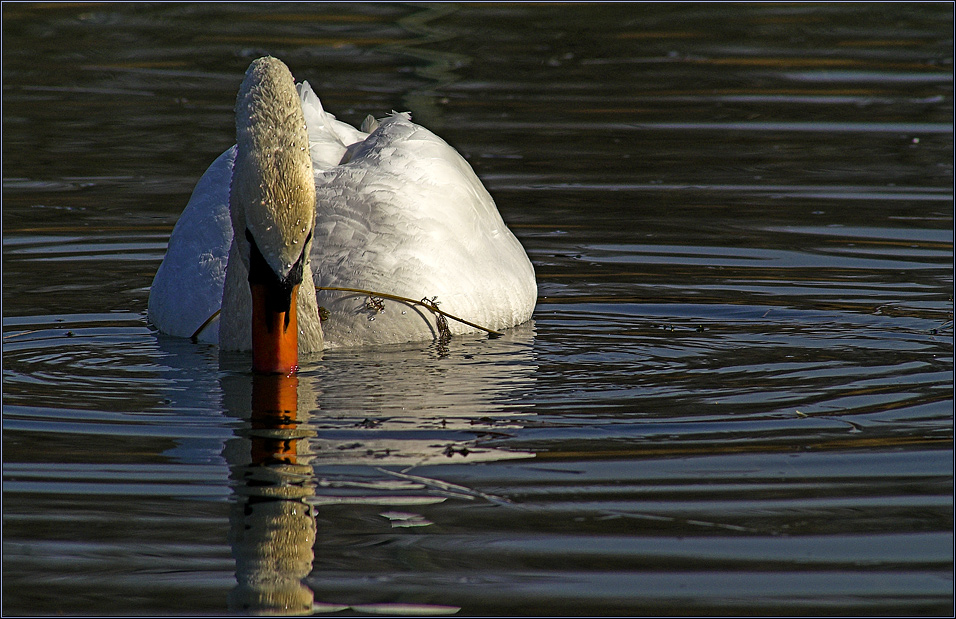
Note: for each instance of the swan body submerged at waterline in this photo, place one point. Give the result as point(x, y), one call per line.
point(305, 202)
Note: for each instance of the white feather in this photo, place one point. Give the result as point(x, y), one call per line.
point(404, 215)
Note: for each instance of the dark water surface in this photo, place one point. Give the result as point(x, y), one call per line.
point(736, 395)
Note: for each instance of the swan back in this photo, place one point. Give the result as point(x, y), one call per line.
point(406, 215)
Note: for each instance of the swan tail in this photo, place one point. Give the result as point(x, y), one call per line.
point(328, 138)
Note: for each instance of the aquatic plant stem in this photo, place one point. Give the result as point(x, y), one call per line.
point(431, 306)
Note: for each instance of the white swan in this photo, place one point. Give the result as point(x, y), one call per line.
point(318, 204)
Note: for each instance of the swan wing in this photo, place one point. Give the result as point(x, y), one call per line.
point(187, 288)
point(407, 216)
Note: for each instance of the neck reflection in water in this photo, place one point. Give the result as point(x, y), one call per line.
point(272, 528)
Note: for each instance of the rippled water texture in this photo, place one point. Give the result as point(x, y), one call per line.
point(736, 395)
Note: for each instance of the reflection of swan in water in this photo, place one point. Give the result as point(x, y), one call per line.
point(272, 529)
point(404, 406)
point(415, 402)
point(408, 408)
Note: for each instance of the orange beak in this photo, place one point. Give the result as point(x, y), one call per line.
point(275, 341)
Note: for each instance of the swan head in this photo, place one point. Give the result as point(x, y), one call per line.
point(272, 200)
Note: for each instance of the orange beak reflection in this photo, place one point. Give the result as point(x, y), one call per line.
point(275, 341)
point(274, 419)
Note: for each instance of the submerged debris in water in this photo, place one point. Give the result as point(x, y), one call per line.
point(444, 333)
point(451, 450)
